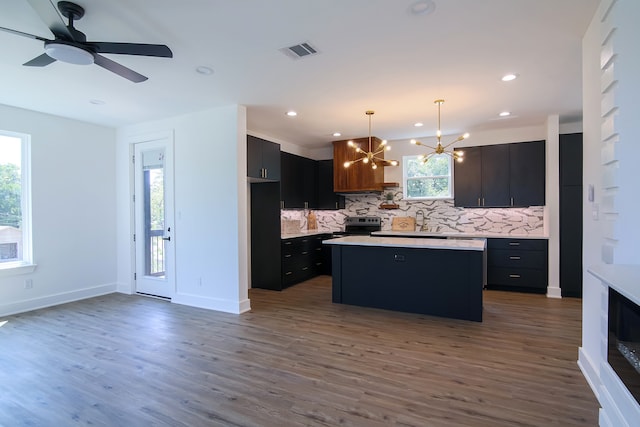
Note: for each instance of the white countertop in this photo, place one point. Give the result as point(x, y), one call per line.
point(411, 242)
point(303, 233)
point(456, 234)
point(623, 278)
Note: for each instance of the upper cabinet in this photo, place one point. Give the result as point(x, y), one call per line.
point(327, 198)
point(527, 172)
point(298, 186)
point(263, 160)
point(504, 175)
point(359, 177)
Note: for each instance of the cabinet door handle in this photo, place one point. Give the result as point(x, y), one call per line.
point(336, 205)
point(479, 202)
point(288, 243)
point(305, 268)
point(305, 252)
point(514, 243)
point(287, 256)
point(514, 276)
point(483, 201)
point(514, 257)
point(512, 201)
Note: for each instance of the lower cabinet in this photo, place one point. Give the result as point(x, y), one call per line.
point(517, 264)
point(302, 258)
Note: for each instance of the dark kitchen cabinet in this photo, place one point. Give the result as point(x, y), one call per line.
point(482, 179)
point(571, 196)
point(517, 264)
point(263, 160)
point(302, 258)
point(495, 175)
point(265, 236)
point(503, 175)
point(299, 189)
point(467, 178)
point(527, 173)
point(327, 198)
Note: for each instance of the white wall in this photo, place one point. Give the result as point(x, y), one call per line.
point(73, 193)
point(210, 206)
point(591, 354)
point(611, 152)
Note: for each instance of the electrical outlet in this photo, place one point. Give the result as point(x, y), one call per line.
point(28, 283)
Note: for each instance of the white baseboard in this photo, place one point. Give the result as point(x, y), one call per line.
point(589, 371)
point(51, 300)
point(553, 292)
point(124, 288)
point(227, 306)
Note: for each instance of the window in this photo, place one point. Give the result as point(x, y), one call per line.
point(15, 203)
point(430, 180)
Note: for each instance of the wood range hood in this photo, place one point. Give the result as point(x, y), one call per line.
point(359, 177)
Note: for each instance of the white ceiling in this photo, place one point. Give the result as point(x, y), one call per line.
point(374, 54)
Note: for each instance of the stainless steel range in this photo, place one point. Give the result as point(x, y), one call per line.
point(360, 226)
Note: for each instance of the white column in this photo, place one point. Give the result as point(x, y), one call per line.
point(552, 208)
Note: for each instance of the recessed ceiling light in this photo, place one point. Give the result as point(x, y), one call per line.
point(291, 113)
point(204, 70)
point(422, 7)
point(337, 134)
point(505, 114)
point(418, 124)
point(509, 77)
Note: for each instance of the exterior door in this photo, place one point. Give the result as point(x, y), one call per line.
point(154, 218)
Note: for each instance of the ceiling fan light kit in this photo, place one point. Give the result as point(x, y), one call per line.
point(71, 46)
point(65, 52)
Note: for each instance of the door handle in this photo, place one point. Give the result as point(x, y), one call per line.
point(168, 238)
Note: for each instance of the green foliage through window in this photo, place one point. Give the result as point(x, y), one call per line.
point(428, 180)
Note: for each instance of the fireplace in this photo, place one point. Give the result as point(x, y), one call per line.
point(623, 348)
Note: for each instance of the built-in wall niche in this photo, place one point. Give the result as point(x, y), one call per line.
point(623, 348)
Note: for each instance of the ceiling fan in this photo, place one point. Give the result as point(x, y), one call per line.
point(71, 46)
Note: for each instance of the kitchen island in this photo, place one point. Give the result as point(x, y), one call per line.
point(439, 277)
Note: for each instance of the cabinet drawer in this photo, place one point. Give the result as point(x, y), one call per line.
point(517, 277)
point(517, 259)
point(519, 244)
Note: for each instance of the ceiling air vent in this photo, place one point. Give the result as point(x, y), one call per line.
point(298, 51)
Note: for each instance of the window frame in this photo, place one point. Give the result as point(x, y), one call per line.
point(406, 179)
point(26, 264)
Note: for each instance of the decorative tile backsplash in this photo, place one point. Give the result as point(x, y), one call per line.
point(439, 215)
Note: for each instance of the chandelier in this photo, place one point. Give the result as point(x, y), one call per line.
point(371, 156)
point(439, 148)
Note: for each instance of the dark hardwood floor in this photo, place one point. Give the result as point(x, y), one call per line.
point(295, 360)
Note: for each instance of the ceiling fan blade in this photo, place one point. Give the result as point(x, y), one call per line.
point(20, 33)
point(48, 12)
point(141, 49)
point(119, 69)
point(40, 61)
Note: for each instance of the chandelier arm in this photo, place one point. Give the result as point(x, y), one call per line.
point(458, 139)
